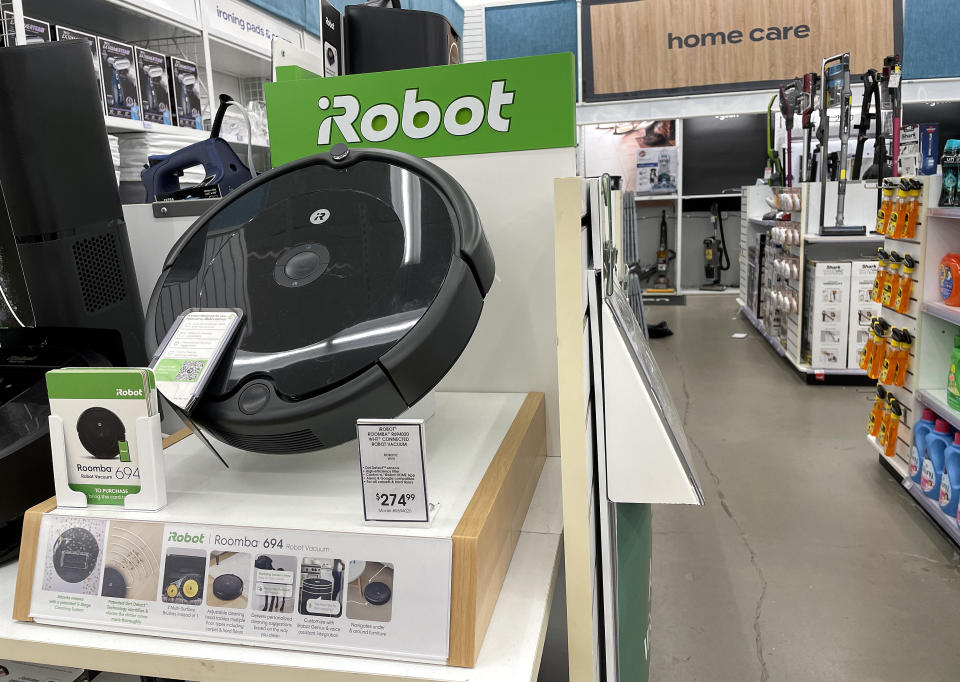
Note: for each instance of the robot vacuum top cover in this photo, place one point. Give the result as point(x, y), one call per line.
point(361, 275)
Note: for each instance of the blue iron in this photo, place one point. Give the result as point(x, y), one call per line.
point(223, 169)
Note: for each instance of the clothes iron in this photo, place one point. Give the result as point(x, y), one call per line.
point(223, 169)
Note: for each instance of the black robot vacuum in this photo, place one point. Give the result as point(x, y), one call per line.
point(100, 432)
point(75, 554)
point(361, 274)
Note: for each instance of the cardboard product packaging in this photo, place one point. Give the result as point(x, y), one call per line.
point(827, 310)
point(118, 68)
point(154, 81)
point(67, 33)
point(910, 150)
point(862, 309)
point(185, 91)
point(656, 170)
point(35, 31)
point(332, 36)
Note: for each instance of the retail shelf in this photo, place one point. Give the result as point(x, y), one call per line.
point(756, 222)
point(875, 445)
point(932, 508)
point(936, 400)
point(937, 212)
point(896, 466)
point(125, 125)
point(238, 61)
point(694, 291)
point(945, 312)
point(861, 239)
point(127, 20)
point(722, 195)
point(654, 197)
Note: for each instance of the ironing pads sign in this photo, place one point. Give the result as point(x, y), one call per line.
point(472, 108)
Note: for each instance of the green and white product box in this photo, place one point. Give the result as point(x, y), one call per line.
point(98, 409)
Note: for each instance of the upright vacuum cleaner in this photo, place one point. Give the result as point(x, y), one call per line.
point(835, 80)
point(715, 255)
point(662, 285)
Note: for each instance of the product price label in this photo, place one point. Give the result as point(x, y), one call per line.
point(392, 454)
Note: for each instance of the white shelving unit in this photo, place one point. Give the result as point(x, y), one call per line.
point(228, 60)
point(789, 344)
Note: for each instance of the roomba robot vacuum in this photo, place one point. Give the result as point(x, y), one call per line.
point(361, 274)
point(100, 432)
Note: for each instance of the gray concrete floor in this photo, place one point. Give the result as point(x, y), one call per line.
point(808, 561)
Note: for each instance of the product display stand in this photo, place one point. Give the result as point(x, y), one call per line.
point(153, 487)
point(784, 329)
point(484, 460)
point(933, 326)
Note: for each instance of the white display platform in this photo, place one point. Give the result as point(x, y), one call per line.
point(289, 487)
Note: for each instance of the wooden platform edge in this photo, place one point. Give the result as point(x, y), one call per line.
point(175, 438)
point(487, 535)
point(29, 540)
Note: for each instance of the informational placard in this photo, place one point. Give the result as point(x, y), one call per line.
point(392, 470)
point(191, 350)
point(359, 593)
point(661, 47)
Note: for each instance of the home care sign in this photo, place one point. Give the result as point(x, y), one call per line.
point(477, 108)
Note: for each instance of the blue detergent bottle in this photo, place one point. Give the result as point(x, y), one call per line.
point(920, 430)
point(938, 441)
point(950, 481)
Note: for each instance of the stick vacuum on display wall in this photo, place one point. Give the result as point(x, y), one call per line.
point(835, 89)
point(715, 255)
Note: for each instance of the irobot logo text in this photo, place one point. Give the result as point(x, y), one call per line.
point(418, 118)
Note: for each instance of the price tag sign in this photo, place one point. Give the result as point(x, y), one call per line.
point(392, 454)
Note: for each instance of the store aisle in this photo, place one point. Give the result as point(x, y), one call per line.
point(808, 562)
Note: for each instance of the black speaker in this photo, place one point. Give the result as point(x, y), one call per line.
point(64, 254)
point(390, 38)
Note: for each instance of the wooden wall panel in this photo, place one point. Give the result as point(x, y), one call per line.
point(629, 40)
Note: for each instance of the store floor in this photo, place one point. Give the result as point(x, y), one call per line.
point(808, 561)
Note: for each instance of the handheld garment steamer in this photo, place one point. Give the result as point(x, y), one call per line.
point(118, 64)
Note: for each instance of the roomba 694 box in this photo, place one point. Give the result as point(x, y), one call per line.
point(361, 275)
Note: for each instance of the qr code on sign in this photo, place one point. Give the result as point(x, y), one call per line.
point(190, 370)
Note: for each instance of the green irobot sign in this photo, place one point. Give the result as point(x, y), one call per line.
point(477, 108)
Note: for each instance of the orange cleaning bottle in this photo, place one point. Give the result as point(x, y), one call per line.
point(902, 300)
point(866, 353)
point(886, 206)
point(892, 280)
point(879, 353)
point(913, 212)
point(888, 370)
point(876, 412)
point(893, 425)
point(885, 419)
point(949, 277)
point(883, 260)
point(903, 363)
point(898, 216)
